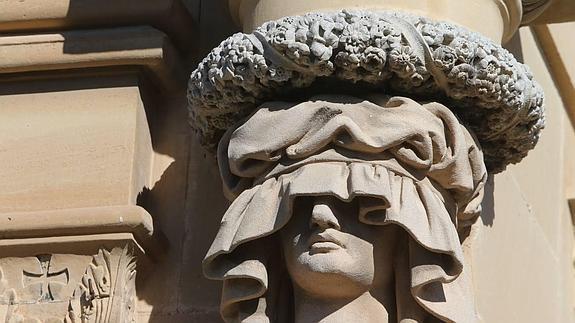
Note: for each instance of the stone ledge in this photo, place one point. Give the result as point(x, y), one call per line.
point(26, 227)
point(88, 244)
point(170, 16)
point(70, 278)
point(140, 46)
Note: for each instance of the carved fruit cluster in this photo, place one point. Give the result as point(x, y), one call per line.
point(396, 53)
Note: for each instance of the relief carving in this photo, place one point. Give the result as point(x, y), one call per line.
point(51, 288)
point(107, 289)
point(45, 282)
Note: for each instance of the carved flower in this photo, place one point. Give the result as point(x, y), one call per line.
point(462, 75)
point(373, 59)
point(445, 57)
point(464, 49)
point(431, 35)
point(234, 45)
point(347, 66)
point(402, 60)
point(489, 68)
point(320, 50)
point(282, 36)
point(384, 36)
point(355, 37)
point(487, 89)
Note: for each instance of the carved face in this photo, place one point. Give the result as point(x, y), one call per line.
point(327, 250)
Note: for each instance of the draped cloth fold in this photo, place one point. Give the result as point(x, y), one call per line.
point(409, 164)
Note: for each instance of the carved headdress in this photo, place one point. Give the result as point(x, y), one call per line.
point(409, 164)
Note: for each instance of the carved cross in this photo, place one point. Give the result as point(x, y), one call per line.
point(47, 284)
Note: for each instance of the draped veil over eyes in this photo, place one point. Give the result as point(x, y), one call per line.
point(408, 164)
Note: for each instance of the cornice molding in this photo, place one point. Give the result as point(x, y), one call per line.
point(141, 46)
point(34, 16)
point(83, 222)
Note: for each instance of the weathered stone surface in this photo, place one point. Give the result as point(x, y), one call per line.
point(70, 287)
point(481, 82)
point(80, 141)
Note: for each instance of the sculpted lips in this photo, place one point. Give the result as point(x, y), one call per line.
point(324, 242)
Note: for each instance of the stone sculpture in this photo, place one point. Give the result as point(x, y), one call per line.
point(353, 207)
point(397, 163)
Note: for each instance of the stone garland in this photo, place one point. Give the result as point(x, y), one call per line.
point(395, 53)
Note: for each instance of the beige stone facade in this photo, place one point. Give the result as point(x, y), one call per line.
point(110, 201)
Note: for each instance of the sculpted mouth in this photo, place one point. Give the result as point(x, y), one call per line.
point(324, 242)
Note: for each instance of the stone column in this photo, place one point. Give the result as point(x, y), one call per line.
point(77, 154)
point(388, 113)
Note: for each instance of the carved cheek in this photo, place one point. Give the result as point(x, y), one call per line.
point(292, 238)
point(360, 249)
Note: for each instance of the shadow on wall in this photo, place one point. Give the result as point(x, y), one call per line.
point(488, 205)
point(514, 46)
point(172, 17)
point(193, 26)
point(186, 203)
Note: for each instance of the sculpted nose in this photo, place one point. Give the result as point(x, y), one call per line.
point(323, 216)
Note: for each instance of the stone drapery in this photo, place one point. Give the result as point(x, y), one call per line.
point(408, 164)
